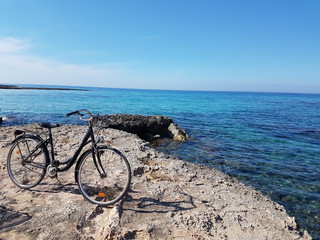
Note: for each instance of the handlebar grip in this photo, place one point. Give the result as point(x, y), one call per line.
point(72, 113)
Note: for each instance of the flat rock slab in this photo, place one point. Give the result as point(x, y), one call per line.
point(168, 199)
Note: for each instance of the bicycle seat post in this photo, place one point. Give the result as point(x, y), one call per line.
point(51, 145)
point(49, 125)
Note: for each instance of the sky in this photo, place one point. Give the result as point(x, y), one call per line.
point(214, 45)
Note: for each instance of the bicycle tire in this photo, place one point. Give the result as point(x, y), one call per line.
point(103, 189)
point(27, 174)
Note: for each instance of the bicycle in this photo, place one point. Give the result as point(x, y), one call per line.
point(103, 173)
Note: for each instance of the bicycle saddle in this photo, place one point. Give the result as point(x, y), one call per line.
point(49, 125)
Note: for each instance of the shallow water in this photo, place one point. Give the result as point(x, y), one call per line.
point(270, 141)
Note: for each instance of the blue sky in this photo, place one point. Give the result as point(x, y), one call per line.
point(218, 45)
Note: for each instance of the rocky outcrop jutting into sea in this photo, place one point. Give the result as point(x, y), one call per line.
point(146, 127)
point(168, 199)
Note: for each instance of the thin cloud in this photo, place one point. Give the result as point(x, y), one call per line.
point(11, 45)
point(17, 67)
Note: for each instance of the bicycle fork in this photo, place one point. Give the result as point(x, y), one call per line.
point(97, 162)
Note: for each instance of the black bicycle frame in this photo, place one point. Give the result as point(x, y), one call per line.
point(85, 141)
point(89, 135)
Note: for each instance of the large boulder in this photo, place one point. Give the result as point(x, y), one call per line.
point(146, 127)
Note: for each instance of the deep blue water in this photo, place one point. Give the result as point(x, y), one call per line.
point(270, 141)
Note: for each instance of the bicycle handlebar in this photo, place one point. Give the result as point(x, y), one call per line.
point(81, 113)
point(72, 113)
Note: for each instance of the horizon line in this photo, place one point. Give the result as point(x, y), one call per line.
point(154, 89)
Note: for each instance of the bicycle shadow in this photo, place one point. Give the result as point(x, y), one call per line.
point(57, 188)
point(152, 205)
point(10, 218)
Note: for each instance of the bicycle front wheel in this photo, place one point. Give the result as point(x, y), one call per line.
point(103, 178)
point(27, 162)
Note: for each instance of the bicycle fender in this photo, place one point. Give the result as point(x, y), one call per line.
point(18, 132)
point(23, 135)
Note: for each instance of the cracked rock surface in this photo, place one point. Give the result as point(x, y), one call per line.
point(168, 199)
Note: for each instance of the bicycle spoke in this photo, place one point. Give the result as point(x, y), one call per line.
point(105, 179)
point(32, 170)
point(26, 162)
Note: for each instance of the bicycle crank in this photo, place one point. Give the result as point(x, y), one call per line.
point(52, 171)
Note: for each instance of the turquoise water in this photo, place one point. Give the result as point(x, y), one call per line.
point(270, 141)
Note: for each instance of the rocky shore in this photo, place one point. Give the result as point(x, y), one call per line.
point(40, 88)
point(168, 199)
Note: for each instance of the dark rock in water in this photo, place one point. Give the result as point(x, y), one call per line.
point(146, 127)
point(40, 88)
point(0, 120)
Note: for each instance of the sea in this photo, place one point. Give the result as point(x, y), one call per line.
point(270, 141)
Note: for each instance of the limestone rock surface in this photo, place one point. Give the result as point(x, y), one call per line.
point(168, 199)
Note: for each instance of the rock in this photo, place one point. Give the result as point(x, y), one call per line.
point(146, 127)
point(178, 134)
point(168, 199)
point(40, 88)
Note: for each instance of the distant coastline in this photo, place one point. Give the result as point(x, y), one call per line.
point(40, 88)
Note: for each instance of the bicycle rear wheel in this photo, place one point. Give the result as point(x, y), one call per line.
point(105, 179)
point(27, 162)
